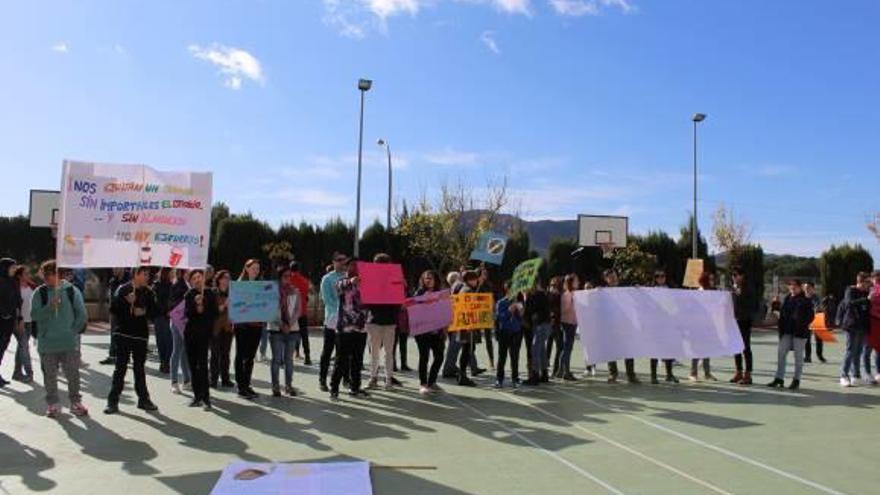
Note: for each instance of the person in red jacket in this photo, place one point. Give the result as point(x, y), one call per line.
point(302, 285)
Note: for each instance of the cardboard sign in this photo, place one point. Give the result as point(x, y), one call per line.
point(429, 312)
point(254, 302)
point(381, 283)
point(472, 311)
point(692, 274)
point(133, 215)
point(524, 277)
point(490, 248)
point(822, 332)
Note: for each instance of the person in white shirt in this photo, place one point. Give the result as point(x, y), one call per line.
point(24, 370)
point(284, 333)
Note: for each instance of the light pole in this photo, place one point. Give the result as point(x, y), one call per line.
point(697, 118)
point(364, 85)
point(385, 144)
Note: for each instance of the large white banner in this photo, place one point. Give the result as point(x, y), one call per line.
point(630, 322)
point(132, 215)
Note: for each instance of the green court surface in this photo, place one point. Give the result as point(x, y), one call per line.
point(586, 437)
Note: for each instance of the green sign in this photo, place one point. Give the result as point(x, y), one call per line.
point(524, 277)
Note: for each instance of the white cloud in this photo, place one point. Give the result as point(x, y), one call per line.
point(513, 6)
point(488, 39)
point(774, 170)
point(388, 8)
point(234, 63)
point(449, 156)
point(60, 47)
point(578, 8)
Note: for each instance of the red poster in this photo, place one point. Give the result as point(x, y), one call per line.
point(381, 283)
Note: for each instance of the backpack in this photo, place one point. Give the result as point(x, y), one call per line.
point(71, 296)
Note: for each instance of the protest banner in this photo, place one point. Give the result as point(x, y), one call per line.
point(429, 312)
point(822, 332)
point(490, 248)
point(631, 322)
point(525, 276)
point(254, 302)
point(692, 274)
point(133, 215)
point(178, 317)
point(381, 283)
point(873, 339)
point(240, 478)
point(472, 311)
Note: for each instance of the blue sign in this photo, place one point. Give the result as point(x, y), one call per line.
point(254, 302)
point(490, 248)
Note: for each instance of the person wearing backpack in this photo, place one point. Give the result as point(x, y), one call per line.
point(134, 306)
point(58, 309)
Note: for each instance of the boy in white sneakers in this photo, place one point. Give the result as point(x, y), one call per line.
point(60, 315)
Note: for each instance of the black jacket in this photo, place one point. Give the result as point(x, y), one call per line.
point(178, 292)
point(384, 314)
point(795, 316)
point(127, 324)
point(10, 293)
point(538, 308)
point(856, 308)
point(745, 304)
point(202, 323)
point(163, 297)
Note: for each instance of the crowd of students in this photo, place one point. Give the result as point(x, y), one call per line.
point(197, 357)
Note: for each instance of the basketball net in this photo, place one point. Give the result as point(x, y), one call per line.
point(607, 248)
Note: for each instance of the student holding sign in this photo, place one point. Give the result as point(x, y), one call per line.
point(381, 332)
point(430, 342)
point(612, 280)
point(351, 338)
point(201, 312)
point(471, 281)
point(247, 339)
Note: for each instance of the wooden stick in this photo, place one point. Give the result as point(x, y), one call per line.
point(404, 467)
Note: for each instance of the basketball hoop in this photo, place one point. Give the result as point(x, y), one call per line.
point(607, 248)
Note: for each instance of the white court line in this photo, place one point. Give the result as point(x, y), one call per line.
point(553, 455)
point(701, 443)
point(619, 445)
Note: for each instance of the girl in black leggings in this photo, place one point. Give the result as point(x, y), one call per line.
point(247, 340)
point(431, 342)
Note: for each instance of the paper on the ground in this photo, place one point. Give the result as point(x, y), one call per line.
point(349, 478)
point(630, 322)
point(133, 215)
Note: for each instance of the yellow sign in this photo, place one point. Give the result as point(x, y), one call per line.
point(472, 311)
point(692, 274)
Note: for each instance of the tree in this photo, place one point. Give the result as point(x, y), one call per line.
point(239, 238)
point(669, 256)
point(279, 253)
point(23, 243)
point(634, 266)
point(517, 251)
point(839, 266)
point(219, 212)
point(559, 256)
point(791, 266)
point(374, 241)
point(728, 234)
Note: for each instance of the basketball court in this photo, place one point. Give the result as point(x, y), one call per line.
point(584, 437)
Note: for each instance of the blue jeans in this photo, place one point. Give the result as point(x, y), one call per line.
point(283, 346)
point(178, 357)
point(866, 356)
point(264, 342)
point(23, 365)
point(164, 341)
point(568, 335)
point(855, 341)
point(540, 361)
point(452, 351)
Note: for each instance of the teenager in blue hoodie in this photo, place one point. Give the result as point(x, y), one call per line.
point(508, 332)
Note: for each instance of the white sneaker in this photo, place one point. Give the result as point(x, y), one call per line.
point(869, 380)
point(693, 378)
point(175, 389)
point(877, 377)
point(424, 390)
point(188, 386)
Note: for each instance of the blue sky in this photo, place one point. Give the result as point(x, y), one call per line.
point(584, 105)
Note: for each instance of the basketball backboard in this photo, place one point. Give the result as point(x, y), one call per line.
point(44, 208)
point(602, 231)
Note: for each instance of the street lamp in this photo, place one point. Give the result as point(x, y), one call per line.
point(697, 118)
point(364, 85)
point(387, 146)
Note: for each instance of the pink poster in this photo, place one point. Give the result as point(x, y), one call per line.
point(429, 312)
point(381, 283)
